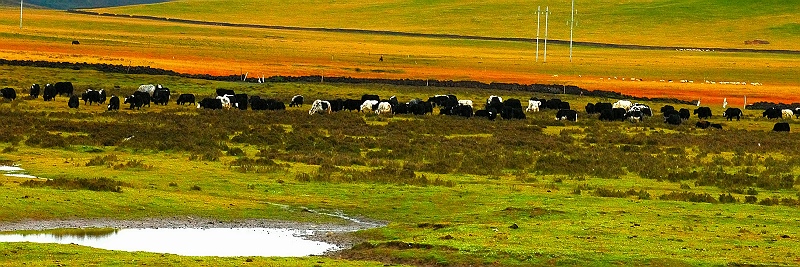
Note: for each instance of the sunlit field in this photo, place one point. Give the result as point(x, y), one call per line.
point(689, 23)
point(453, 191)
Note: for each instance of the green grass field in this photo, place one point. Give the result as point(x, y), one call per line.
point(716, 23)
point(585, 193)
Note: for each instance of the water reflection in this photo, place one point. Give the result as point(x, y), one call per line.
point(77, 233)
point(4, 168)
point(14, 171)
point(224, 242)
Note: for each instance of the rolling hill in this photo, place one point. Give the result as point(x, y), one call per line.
point(69, 4)
point(714, 23)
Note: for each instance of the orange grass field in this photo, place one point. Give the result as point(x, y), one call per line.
point(219, 50)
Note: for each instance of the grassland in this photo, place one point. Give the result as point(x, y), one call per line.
point(715, 23)
point(585, 193)
point(225, 50)
point(450, 187)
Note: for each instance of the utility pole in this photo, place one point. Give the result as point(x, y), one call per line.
point(571, 26)
point(538, 18)
point(546, 19)
point(20, 14)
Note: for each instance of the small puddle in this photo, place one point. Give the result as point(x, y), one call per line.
point(14, 171)
point(220, 242)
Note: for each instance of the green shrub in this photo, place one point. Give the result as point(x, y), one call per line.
point(752, 191)
point(723, 198)
point(775, 182)
point(790, 202)
point(102, 160)
point(206, 155)
point(770, 201)
point(132, 164)
point(46, 140)
point(604, 192)
point(235, 152)
point(303, 177)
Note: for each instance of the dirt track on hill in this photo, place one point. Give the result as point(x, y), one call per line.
point(439, 36)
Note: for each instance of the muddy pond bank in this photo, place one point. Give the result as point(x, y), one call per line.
point(339, 235)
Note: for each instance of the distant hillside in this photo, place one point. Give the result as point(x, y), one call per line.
point(694, 23)
point(68, 4)
point(14, 3)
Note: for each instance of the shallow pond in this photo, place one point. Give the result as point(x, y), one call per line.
point(222, 242)
point(13, 171)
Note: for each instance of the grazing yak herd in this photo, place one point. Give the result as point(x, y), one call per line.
point(622, 110)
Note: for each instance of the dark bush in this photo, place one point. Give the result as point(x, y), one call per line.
point(386, 175)
point(235, 152)
point(688, 196)
point(46, 140)
point(790, 202)
point(723, 198)
point(93, 184)
point(775, 182)
point(774, 201)
point(752, 191)
point(132, 164)
point(257, 165)
point(603, 192)
point(102, 160)
point(206, 155)
point(303, 177)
